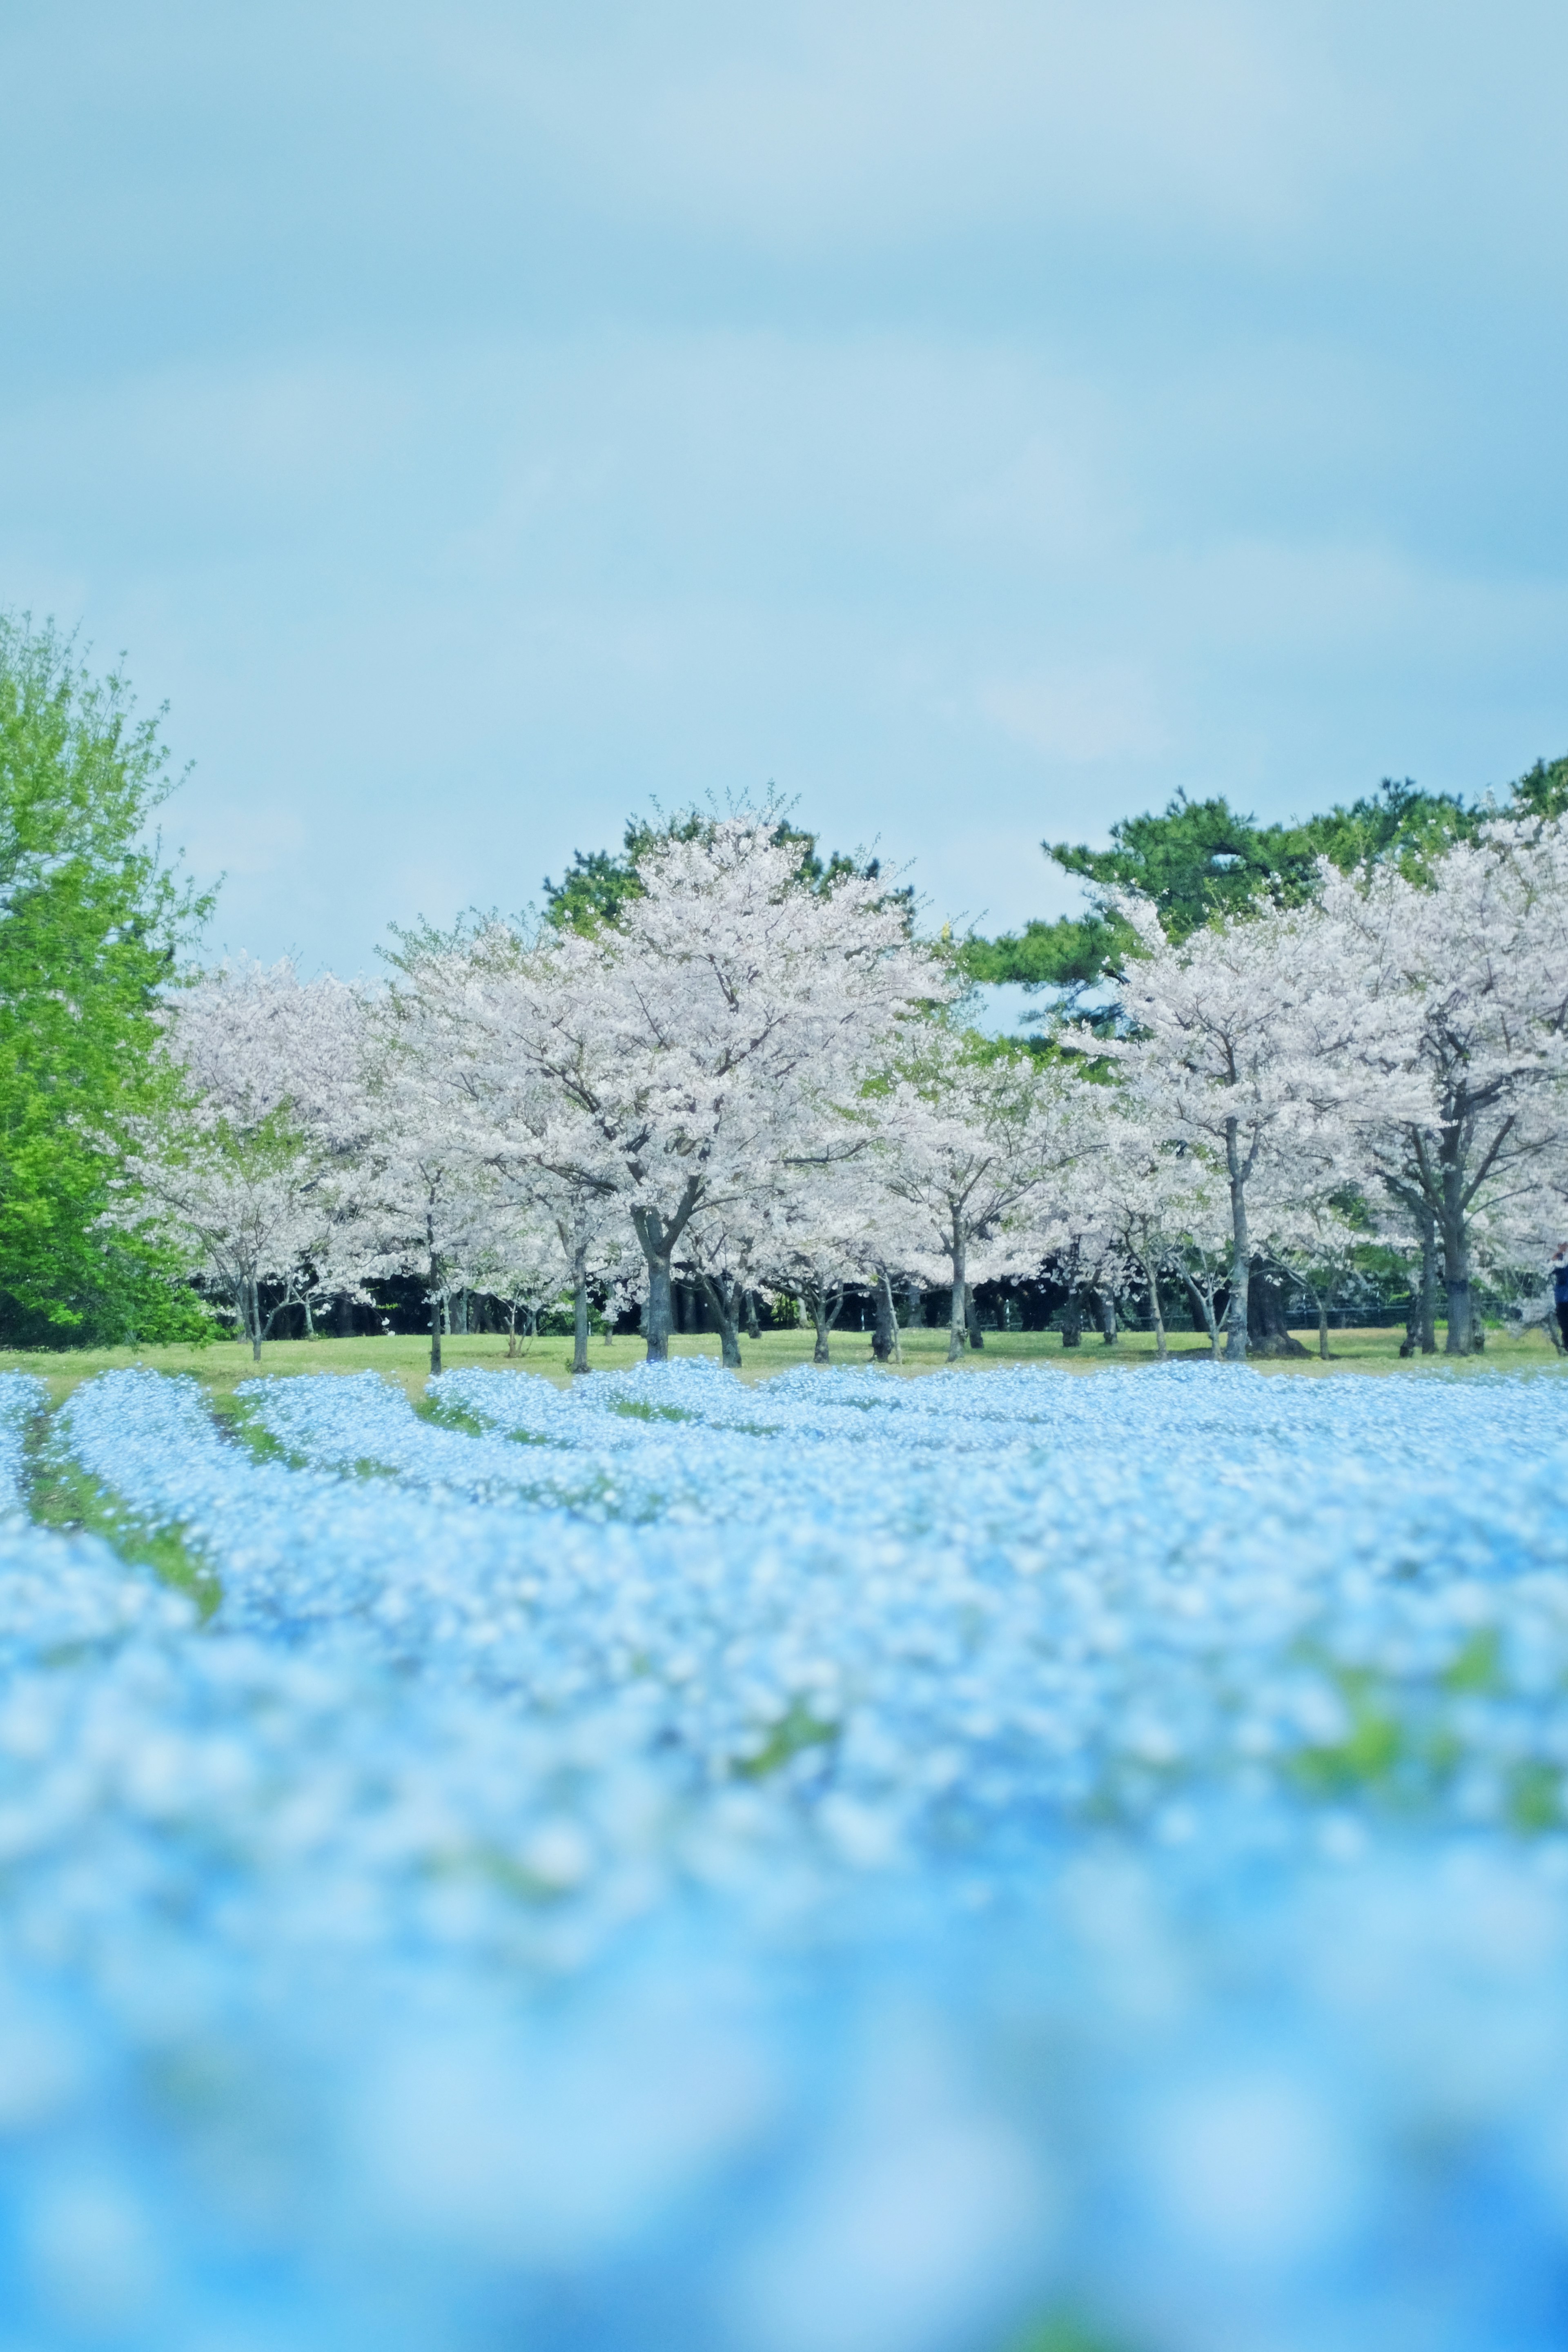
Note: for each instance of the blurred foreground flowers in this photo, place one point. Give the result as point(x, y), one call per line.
point(843, 1866)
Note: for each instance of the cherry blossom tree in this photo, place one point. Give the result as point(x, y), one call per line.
point(524, 1273)
point(427, 1203)
point(589, 1225)
point(1085, 1254)
point(1473, 968)
point(545, 1194)
point(729, 1252)
point(974, 1144)
point(688, 1050)
point(1155, 1195)
point(1312, 1241)
point(1260, 1040)
point(257, 1169)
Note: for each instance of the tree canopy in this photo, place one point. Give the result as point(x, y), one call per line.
point(92, 921)
point(598, 884)
point(1199, 859)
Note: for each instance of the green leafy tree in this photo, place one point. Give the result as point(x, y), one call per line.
point(92, 921)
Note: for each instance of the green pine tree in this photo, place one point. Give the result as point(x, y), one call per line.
point(1197, 859)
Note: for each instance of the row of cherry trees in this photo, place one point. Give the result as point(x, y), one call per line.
point(762, 1083)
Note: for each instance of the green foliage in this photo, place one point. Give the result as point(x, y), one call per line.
point(90, 923)
point(1399, 824)
point(1543, 791)
point(598, 884)
point(1073, 952)
point(1198, 859)
point(1201, 858)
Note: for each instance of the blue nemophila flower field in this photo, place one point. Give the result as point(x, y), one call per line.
point(839, 1865)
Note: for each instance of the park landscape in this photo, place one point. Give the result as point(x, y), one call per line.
point(1005, 1795)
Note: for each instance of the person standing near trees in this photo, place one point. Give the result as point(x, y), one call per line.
point(1560, 1288)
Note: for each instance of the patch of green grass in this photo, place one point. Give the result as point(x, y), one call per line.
point(635, 1410)
point(1061, 2333)
point(1369, 1754)
point(445, 1415)
point(1401, 1749)
point(62, 1495)
point(794, 1732)
point(1535, 1798)
point(1477, 1668)
point(237, 1420)
point(405, 1359)
point(468, 1424)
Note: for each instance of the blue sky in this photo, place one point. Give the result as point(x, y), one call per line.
point(977, 420)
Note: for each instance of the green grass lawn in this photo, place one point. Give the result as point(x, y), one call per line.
point(406, 1361)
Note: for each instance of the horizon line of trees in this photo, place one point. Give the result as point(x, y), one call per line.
point(1274, 1062)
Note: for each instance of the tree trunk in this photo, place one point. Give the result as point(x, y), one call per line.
point(1322, 1331)
point(1107, 1318)
point(580, 1308)
point(724, 1297)
point(825, 1301)
point(1429, 1283)
point(512, 1327)
point(437, 1295)
point(1072, 1321)
point(1150, 1276)
point(959, 1251)
point(1268, 1334)
point(1456, 1260)
point(753, 1328)
point(1241, 1246)
point(972, 1320)
point(660, 1310)
point(887, 1321)
point(1202, 1306)
point(915, 1308)
point(885, 1330)
point(310, 1318)
point(658, 1236)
